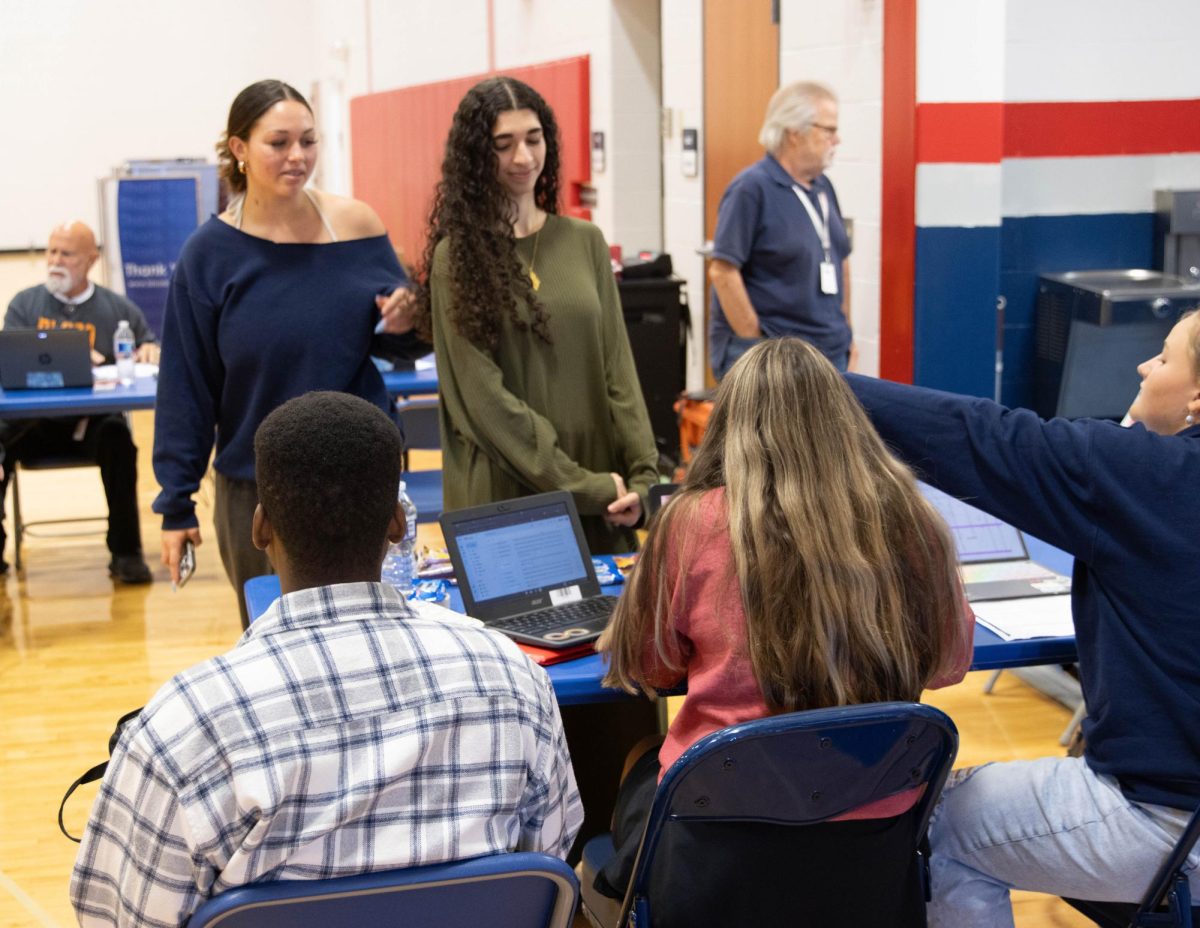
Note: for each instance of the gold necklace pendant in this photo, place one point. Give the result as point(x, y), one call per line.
point(534, 280)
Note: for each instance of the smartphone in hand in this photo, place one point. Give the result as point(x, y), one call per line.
point(187, 563)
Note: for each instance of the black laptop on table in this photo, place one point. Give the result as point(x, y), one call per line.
point(43, 359)
point(524, 569)
point(992, 556)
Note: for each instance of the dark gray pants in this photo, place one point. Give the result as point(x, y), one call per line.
point(233, 514)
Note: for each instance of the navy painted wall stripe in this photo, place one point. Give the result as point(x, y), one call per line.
point(954, 309)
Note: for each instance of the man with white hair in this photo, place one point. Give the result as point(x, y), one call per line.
point(780, 253)
point(69, 300)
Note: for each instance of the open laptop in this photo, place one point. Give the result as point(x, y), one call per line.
point(32, 359)
point(994, 560)
point(524, 569)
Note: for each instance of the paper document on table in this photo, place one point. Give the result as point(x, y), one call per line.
point(1034, 617)
point(109, 371)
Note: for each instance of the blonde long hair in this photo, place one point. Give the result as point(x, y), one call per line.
point(848, 577)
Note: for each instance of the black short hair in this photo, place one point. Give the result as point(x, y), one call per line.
point(328, 472)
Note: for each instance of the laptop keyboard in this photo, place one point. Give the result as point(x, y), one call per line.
point(1004, 570)
point(552, 618)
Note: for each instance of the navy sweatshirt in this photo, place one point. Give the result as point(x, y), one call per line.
point(1126, 504)
point(250, 324)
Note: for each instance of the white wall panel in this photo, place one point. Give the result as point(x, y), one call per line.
point(417, 43)
point(85, 86)
point(1059, 69)
point(839, 42)
point(635, 146)
point(960, 50)
point(683, 197)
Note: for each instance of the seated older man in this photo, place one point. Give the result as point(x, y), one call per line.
point(69, 300)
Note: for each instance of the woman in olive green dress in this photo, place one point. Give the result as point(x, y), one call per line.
point(538, 386)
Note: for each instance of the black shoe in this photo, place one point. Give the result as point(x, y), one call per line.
point(129, 568)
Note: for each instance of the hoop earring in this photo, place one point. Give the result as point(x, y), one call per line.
point(242, 166)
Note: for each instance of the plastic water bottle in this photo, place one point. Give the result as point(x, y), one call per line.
point(123, 349)
point(400, 566)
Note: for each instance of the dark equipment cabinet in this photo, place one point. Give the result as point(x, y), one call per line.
point(1093, 329)
point(657, 318)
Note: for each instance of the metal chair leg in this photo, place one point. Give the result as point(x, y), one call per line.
point(991, 681)
point(18, 522)
point(1076, 720)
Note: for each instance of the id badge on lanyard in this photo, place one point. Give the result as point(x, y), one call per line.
point(829, 283)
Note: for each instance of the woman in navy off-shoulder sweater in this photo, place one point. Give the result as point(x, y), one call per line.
point(280, 295)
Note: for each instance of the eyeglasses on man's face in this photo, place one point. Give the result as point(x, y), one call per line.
point(832, 130)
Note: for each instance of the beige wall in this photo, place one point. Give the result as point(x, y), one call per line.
point(24, 269)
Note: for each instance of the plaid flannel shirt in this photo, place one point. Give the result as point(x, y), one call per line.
point(343, 734)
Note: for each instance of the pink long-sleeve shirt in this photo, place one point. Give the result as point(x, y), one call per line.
point(710, 633)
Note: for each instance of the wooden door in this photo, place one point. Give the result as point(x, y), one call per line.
point(741, 71)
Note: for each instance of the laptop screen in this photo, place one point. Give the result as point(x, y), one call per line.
point(978, 536)
point(516, 553)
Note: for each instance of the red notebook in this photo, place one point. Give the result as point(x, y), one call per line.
point(547, 656)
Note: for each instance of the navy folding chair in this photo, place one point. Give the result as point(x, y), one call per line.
point(1168, 902)
point(521, 890)
point(419, 417)
point(740, 833)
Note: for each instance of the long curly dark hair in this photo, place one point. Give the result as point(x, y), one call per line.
point(473, 210)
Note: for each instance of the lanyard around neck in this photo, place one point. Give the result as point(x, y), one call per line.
point(820, 222)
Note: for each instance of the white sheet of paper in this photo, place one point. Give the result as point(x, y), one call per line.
point(427, 363)
point(1034, 617)
point(109, 371)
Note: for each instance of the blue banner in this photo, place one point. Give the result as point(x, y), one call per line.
point(155, 216)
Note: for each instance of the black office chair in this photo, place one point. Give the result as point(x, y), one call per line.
point(419, 417)
point(740, 831)
point(1168, 902)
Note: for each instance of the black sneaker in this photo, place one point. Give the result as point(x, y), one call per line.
point(129, 568)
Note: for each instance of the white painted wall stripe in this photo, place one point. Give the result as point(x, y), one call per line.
point(1078, 50)
point(959, 195)
point(1094, 185)
point(969, 195)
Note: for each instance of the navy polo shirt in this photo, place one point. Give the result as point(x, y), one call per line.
point(765, 231)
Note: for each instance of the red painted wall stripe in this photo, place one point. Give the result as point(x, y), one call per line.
point(898, 237)
point(960, 132)
point(1127, 127)
point(986, 132)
